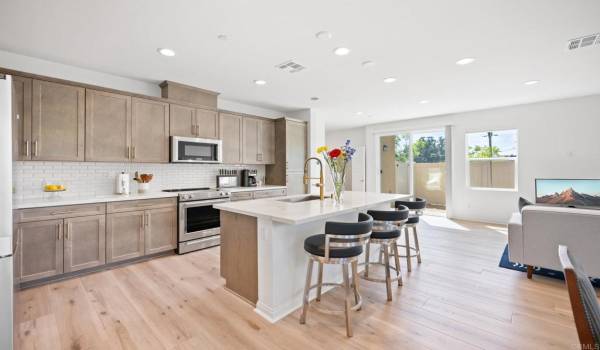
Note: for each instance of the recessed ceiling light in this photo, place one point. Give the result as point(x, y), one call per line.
point(531, 82)
point(465, 61)
point(222, 37)
point(341, 51)
point(389, 80)
point(368, 64)
point(424, 102)
point(166, 52)
point(260, 82)
point(323, 35)
point(359, 113)
point(314, 98)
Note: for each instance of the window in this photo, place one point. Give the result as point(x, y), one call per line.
point(492, 159)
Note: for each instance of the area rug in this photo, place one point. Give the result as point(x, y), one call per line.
point(505, 263)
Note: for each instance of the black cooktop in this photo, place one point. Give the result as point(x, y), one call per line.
point(187, 189)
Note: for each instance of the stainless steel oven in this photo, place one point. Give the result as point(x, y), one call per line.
point(196, 150)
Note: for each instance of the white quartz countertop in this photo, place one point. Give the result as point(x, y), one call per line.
point(300, 212)
point(255, 188)
point(74, 200)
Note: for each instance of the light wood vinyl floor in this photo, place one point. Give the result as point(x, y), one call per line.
point(458, 298)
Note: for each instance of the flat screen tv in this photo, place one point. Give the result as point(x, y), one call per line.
point(568, 192)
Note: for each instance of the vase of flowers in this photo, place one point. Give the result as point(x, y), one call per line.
point(337, 159)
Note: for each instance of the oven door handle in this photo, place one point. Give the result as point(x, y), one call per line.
point(186, 205)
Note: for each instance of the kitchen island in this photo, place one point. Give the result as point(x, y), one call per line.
point(262, 245)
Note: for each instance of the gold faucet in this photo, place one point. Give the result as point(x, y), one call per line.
point(307, 179)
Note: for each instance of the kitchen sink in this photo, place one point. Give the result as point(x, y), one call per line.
point(300, 199)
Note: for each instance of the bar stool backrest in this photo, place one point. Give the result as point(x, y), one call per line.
point(418, 205)
point(347, 234)
point(388, 220)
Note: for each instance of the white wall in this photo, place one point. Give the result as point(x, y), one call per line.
point(38, 66)
point(557, 139)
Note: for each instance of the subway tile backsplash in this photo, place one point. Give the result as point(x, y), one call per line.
point(89, 178)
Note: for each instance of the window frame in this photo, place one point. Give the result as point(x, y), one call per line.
point(468, 162)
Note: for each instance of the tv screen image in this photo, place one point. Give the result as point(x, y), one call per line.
point(572, 192)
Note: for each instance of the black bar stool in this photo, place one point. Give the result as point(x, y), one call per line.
point(417, 206)
point(341, 244)
point(387, 227)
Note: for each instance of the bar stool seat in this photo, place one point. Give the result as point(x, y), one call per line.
point(386, 234)
point(315, 245)
point(413, 219)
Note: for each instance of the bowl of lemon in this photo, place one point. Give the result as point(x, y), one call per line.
point(54, 188)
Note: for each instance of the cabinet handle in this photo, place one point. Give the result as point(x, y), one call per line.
point(133, 152)
point(35, 148)
point(59, 234)
point(197, 130)
point(147, 216)
point(193, 129)
point(68, 232)
point(26, 148)
point(128, 152)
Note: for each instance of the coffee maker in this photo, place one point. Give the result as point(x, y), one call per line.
point(249, 177)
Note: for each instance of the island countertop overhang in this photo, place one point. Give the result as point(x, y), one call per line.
point(296, 213)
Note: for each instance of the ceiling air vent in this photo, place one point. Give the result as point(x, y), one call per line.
point(584, 41)
point(290, 66)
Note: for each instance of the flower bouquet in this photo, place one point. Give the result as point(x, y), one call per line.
point(337, 159)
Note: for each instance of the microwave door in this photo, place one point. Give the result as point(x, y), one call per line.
point(195, 150)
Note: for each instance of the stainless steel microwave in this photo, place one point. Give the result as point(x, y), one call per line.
point(196, 150)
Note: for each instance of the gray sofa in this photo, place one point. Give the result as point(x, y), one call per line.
point(535, 233)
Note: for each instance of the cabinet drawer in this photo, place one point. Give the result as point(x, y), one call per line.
point(60, 212)
point(242, 196)
point(123, 206)
point(270, 193)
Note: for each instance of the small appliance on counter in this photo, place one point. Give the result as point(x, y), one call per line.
point(227, 178)
point(122, 183)
point(249, 177)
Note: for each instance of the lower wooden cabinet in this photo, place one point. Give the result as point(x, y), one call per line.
point(84, 242)
point(160, 232)
point(136, 233)
point(56, 240)
point(124, 235)
point(39, 252)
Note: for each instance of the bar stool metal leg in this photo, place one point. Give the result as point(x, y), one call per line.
point(397, 261)
point(347, 301)
point(306, 291)
point(319, 281)
point(355, 282)
point(388, 281)
point(367, 259)
point(417, 244)
point(407, 242)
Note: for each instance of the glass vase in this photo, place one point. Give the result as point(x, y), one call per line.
point(338, 187)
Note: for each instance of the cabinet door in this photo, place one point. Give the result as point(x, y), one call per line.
point(21, 118)
point(124, 236)
point(267, 142)
point(58, 122)
point(207, 124)
point(150, 131)
point(295, 145)
point(295, 183)
point(107, 127)
point(182, 121)
point(251, 141)
point(84, 245)
point(40, 246)
point(160, 230)
point(230, 126)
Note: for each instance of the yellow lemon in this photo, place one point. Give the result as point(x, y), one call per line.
point(51, 188)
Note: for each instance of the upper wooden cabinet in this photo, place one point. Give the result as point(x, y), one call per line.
point(57, 122)
point(194, 122)
point(207, 122)
point(21, 118)
point(150, 131)
point(258, 141)
point(230, 126)
point(107, 127)
point(290, 154)
point(183, 121)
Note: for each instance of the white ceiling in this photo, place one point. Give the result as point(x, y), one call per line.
point(418, 42)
